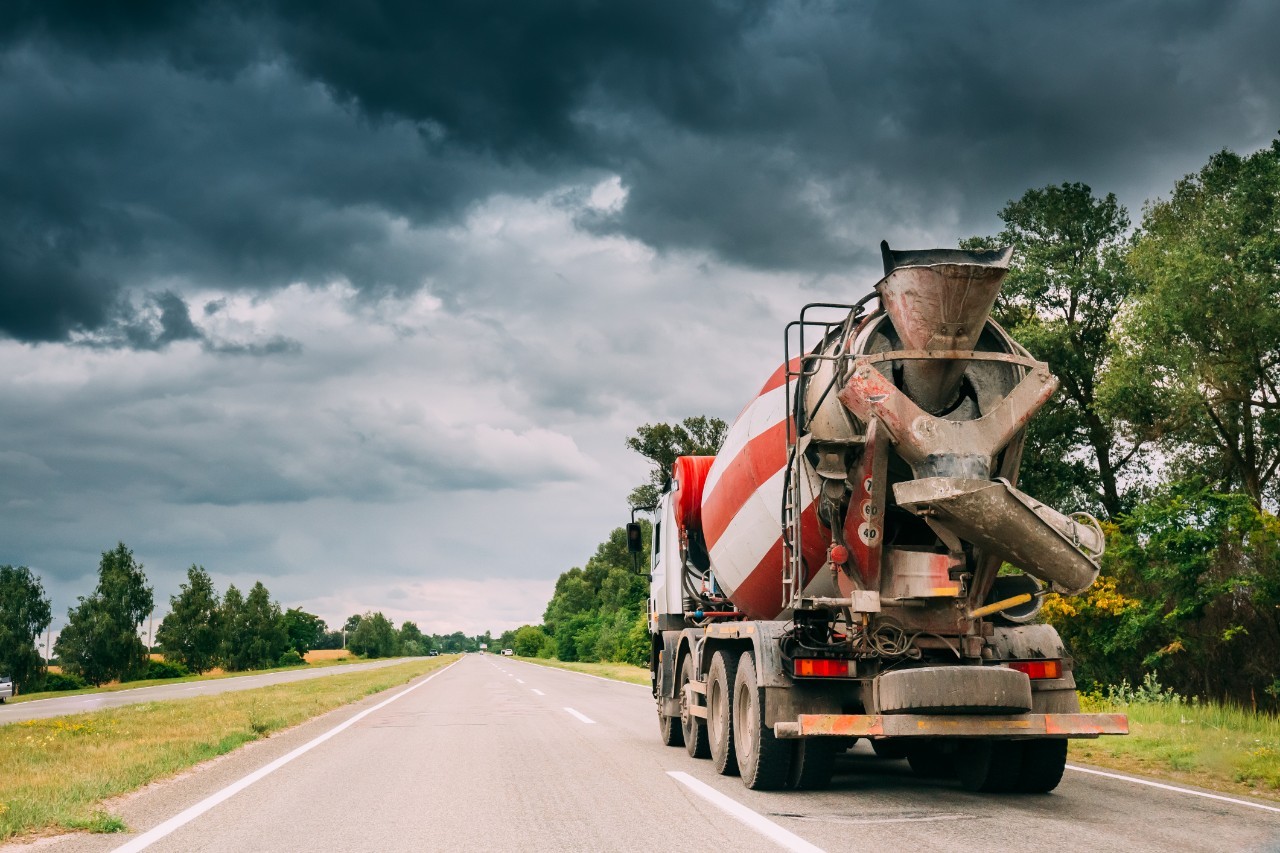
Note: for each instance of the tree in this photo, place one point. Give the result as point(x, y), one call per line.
point(234, 636)
point(1198, 353)
point(375, 637)
point(258, 635)
point(191, 633)
point(1066, 283)
point(528, 641)
point(24, 615)
point(662, 443)
point(305, 631)
point(411, 640)
point(100, 642)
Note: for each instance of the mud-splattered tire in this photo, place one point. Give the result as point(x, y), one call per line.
point(1043, 762)
point(669, 730)
point(990, 766)
point(692, 729)
point(813, 761)
point(724, 668)
point(763, 760)
point(929, 761)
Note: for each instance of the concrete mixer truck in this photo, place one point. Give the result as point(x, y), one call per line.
point(857, 561)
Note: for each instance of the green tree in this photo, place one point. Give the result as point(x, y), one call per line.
point(1197, 364)
point(662, 443)
point(1066, 283)
point(305, 631)
point(191, 633)
point(412, 642)
point(100, 642)
point(235, 637)
point(375, 637)
point(24, 615)
point(528, 641)
point(262, 630)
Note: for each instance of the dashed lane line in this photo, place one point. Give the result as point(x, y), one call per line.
point(581, 716)
point(784, 838)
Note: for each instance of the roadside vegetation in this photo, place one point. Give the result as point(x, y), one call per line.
point(58, 772)
point(617, 671)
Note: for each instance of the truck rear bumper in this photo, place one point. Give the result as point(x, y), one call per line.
point(938, 725)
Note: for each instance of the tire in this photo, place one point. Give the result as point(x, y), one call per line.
point(724, 669)
point(813, 761)
point(954, 690)
point(1043, 762)
point(928, 761)
point(669, 730)
point(763, 760)
point(693, 729)
point(990, 766)
point(889, 749)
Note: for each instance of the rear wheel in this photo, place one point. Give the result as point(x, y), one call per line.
point(693, 729)
point(990, 766)
point(763, 760)
point(891, 749)
point(813, 761)
point(669, 730)
point(929, 761)
point(1043, 762)
point(724, 669)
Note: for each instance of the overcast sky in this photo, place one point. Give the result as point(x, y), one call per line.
point(363, 298)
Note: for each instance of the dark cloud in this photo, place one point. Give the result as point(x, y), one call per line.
point(246, 146)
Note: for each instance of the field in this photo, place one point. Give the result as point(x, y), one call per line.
point(58, 771)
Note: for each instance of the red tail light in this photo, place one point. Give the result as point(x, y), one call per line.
point(1038, 668)
point(823, 668)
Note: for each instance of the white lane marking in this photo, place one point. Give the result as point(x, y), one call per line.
point(519, 681)
point(193, 688)
point(536, 690)
point(580, 716)
point(1179, 790)
point(142, 842)
point(588, 675)
point(761, 824)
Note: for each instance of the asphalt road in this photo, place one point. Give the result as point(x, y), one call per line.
point(492, 754)
point(62, 705)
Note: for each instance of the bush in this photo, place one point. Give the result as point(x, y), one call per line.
point(166, 669)
point(64, 681)
point(291, 658)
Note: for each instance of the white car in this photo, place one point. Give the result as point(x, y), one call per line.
point(507, 653)
point(6, 688)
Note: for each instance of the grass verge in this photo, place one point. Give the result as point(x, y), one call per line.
point(58, 771)
point(616, 671)
point(1210, 746)
point(152, 682)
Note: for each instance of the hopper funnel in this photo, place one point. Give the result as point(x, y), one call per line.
point(938, 300)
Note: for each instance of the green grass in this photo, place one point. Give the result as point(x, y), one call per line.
point(1229, 749)
point(616, 671)
point(58, 772)
point(153, 682)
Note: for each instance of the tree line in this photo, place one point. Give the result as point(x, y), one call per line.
point(1166, 340)
point(234, 631)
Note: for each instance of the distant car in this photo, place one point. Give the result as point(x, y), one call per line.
point(6, 688)
point(507, 652)
point(433, 654)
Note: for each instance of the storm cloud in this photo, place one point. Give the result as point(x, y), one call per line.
point(287, 286)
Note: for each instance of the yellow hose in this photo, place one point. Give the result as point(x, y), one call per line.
point(996, 607)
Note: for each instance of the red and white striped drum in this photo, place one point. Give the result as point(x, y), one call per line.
point(742, 506)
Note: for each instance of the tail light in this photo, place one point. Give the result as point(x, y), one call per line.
point(823, 668)
point(1037, 668)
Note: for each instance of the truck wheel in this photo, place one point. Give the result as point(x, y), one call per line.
point(763, 760)
point(669, 730)
point(693, 729)
point(813, 761)
point(990, 766)
point(1042, 764)
point(720, 712)
point(891, 749)
point(928, 761)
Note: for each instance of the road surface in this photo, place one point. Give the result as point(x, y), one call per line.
point(61, 705)
point(492, 754)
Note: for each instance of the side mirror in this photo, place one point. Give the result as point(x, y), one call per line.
point(635, 542)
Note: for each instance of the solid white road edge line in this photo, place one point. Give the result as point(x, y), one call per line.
point(151, 836)
point(783, 838)
point(519, 681)
point(1165, 787)
point(586, 675)
point(580, 716)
